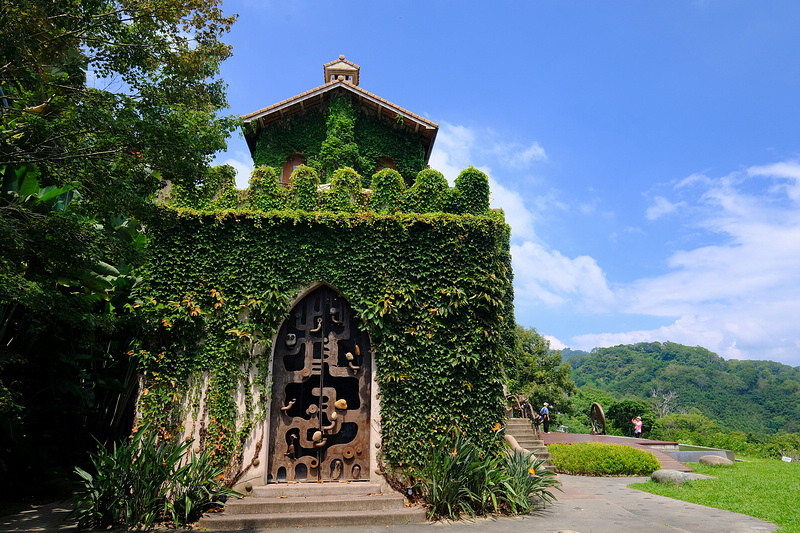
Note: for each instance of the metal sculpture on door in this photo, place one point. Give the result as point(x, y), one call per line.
point(319, 421)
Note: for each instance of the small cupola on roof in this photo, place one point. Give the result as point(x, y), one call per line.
point(347, 70)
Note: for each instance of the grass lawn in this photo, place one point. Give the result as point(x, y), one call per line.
point(766, 489)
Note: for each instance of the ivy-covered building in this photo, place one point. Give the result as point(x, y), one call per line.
point(339, 123)
point(341, 315)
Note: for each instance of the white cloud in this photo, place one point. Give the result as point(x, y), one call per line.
point(548, 277)
point(456, 148)
point(662, 207)
point(452, 151)
point(789, 170)
point(555, 344)
point(517, 214)
point(741, 296)
point(542, 276)
point(517, 155)
point(243, 164)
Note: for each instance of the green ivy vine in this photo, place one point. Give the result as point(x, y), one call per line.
point(425, 265)
point(433, 290)
point(339, 134)
point(429, 193)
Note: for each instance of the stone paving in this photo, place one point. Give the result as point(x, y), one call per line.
point(587, 505)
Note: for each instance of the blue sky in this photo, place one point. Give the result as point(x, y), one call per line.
point(647, 154)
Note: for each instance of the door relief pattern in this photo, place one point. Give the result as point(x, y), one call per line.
point(319, 421)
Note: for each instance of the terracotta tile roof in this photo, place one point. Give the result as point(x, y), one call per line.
point(340, 59)
point(332, 85)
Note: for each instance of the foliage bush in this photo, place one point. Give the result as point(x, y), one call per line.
point(430, 192)
point(146, 480)
point(303, 188)
point(387, 190)
point(474, 188)
point(425, 196)
point(459, 477)
point(599, 459)
point(345, 194)
point(619, 415)
point(264, 191)
point(687, 428)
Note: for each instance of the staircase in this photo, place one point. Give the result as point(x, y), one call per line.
point(522, 430)
point(314, 504)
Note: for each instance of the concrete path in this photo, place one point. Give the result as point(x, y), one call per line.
point(587, 505)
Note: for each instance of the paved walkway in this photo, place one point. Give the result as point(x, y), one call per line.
point(587, 505)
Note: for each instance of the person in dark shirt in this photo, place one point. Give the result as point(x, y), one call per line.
point(545, 412)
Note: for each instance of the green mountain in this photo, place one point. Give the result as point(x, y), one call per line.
point(747, 396)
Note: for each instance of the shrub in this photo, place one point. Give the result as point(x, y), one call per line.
point(598, 459)
point(690, 428)
point(425, 196)
point(620, 414)
point(303, 189)
point(227, 196)
point(527, 477)
point(387, 189)
point(474, 188)
point(146, 480)
point(460, 477)
point(265, 192)
point(345, 194)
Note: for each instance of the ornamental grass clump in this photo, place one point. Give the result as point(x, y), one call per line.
point(598, 459)
point(145, 481)
point(459, 477)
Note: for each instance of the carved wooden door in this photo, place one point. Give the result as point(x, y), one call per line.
point(319, 421)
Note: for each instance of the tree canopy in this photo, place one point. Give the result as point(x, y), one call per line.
point(748, 396)
point(102, 102)
point(537, 371)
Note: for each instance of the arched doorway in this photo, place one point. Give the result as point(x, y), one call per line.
point(320, 413)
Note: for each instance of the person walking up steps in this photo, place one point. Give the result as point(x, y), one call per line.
point(545, 412)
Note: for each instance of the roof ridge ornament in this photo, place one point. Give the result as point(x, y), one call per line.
point(341, 70)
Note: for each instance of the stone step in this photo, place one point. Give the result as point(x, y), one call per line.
point(310, 518)
point(532, 448)
point(519, 422)
point(523, 432)
point(314, 504)
point(537, 451)
point(530, 440)
point(275, 490)
point(373, 502)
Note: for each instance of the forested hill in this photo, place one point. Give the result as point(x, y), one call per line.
point(748, 396)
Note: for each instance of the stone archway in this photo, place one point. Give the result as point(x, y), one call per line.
point(320, 412)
